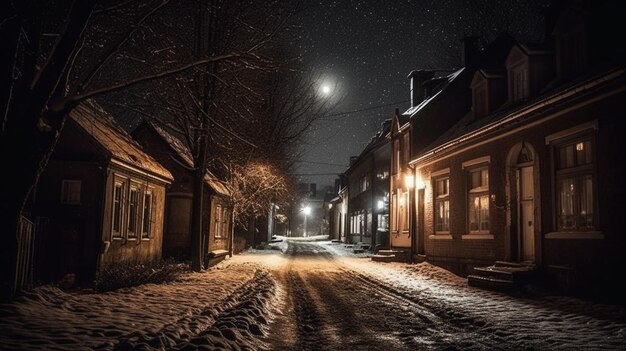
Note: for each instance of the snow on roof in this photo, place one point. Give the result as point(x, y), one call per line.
point(449, 78)
point(183, 152)
point(122, 148)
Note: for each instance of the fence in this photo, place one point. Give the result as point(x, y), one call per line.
point(25, 248)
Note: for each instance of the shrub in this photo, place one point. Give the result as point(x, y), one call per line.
point(133, 274)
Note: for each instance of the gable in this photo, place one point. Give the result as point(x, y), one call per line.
point(478, 79)
point(516, 55)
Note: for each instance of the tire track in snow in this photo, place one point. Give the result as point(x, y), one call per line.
point(237, 323)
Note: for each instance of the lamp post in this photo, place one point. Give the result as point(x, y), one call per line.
point(307, 211)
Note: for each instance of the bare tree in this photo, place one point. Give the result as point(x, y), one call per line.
point(58, 54)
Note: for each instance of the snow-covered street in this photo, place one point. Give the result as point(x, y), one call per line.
point(305, 295)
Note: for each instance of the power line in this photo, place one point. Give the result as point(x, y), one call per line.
point(341, 114)
point(321, 163)
point(315, 174)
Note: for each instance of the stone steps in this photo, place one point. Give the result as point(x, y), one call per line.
point(502, 275)
point(391, 256)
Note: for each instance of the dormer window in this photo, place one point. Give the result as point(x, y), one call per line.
point(488, 91)
point(519, 83)
point(529, 67)
point(480, 103)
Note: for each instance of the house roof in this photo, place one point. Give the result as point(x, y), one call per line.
point(379, 139)
point(185, 155)
point(468, 128)
point(442, 84)
point(122, 149)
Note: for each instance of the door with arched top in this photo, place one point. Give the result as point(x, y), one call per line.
point(526, 211)
point(526, 203)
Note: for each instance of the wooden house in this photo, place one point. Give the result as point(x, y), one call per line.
point(527, 181)
point(100, 201)
point(217, 218)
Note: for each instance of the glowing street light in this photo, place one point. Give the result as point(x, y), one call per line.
point(307, 211)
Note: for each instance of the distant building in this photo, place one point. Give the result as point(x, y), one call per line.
point(308, 212)
point(367, 179)
point(217, 221)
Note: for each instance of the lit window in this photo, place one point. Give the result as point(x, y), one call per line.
point(225, 226)
point(218, 221)
point(575, 186)
point(118, 208)
point(133, 212)
point(146, 225)
point(442, 205)
point(478, 204)
point(404, 211)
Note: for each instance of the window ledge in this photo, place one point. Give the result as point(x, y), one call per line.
point(472, 236)
point(145, 239)
point(575, 235)
point(440, 237)
point(118, 238)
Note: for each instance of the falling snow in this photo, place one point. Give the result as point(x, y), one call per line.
point(370, 46)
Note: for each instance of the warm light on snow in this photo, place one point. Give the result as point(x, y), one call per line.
point(299, 293)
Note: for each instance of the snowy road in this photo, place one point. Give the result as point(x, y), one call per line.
point(308, 296)
point(334, 302)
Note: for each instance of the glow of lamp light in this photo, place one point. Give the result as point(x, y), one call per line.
point(380, 204)
point(306, 210)
point(409, 181)
point(326, 89)
point(419, 183)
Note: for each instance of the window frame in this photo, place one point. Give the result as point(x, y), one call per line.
point(118, 234)
point(520, 90)
point(437, 199)
point(148, 197)
point(577, 172)
point(217, 222)
point(472, 166)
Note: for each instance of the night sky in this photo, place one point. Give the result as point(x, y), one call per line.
point(367, 48)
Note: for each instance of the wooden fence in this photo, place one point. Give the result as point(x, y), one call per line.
point(25, 248)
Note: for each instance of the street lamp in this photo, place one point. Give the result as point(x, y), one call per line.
point(307, 211)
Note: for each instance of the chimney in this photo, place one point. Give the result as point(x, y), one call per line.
point(418, 77)
point(470, 48)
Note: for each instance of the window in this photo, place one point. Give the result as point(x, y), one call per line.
point(478, 204)
point(133, 212)
point(519, 75)
point(404, 211)
point(70, 192)
point(131, 209)
point(146, 225)
point(395, 164)
point(575, 200)
point(118, 208)
point(394, 212)
point(442, 205)
point(225, 217)
point(218, 221)
point(364, 183)
point(480, 101)
point(383, 222)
